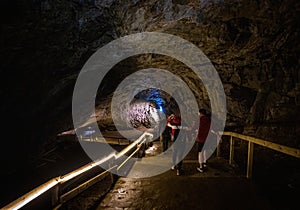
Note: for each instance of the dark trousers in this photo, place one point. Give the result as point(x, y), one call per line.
point(176, 156)
point(177, 152)
point(165, 144)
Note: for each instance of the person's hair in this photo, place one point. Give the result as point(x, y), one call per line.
point(171, 115)
point(203, 111)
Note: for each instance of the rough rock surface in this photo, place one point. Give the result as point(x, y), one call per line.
point(254, 46)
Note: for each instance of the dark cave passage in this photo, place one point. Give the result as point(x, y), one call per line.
point(252, 45)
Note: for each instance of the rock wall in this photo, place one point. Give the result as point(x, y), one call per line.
point(254, 46)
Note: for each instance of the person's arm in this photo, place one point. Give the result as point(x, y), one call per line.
point(184, 128)
point(172, 126)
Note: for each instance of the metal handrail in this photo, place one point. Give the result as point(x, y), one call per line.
point(54, 182)
point(251, 141)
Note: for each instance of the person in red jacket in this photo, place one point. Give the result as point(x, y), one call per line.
point(203, 130)
point(174, 122)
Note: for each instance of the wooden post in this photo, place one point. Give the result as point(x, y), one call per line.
point(250, 160)
point(218, 149)
point(110, 173)
point(219, 141)
point(55, 191)
point(231, 154)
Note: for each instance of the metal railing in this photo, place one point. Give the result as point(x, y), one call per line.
point(54, 183)
point(251, 141)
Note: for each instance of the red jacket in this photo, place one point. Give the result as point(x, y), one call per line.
point(174, 121)
point(204, 127)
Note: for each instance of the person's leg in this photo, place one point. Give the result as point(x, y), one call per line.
point(167, 143)
point(174, 158)
point(201, 162)
point(179, 160)
point(200, 154)
point(179, 168)
point(161, 139)
point(201, 157)
point(164, 145)
point(204, 152)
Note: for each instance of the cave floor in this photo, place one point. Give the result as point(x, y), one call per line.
point(220, 187)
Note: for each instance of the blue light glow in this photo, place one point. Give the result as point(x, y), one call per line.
point(160, 108)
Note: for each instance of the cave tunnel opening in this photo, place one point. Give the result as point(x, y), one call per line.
point(150, 98)
point(150, 108)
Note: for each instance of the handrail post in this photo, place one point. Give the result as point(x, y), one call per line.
point(231, 153)
point(111, 174)
point(54, 196)
point(218, 147)
point(250, 160)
